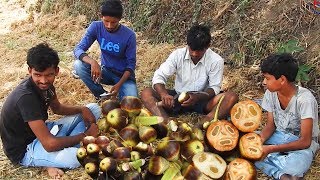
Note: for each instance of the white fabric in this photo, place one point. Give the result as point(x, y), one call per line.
point(207, 73)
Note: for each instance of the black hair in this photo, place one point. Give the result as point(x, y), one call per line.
point(112, 8)
point(280, 64)
point(41, 57)
point(198, 37)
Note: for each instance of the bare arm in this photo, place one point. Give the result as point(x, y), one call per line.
point(269, 129)
point(62, 109)
point(302, 143)
point(52, 143)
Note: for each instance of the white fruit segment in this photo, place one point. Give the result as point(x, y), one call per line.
point(210, 164)
point(173, 125)
point(183, 97)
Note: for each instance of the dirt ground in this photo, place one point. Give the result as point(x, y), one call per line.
point(21, 29)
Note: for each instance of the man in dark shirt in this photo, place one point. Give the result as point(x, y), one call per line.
point(28, 138)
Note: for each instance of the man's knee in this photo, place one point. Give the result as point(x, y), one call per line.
point(232, 97)
point(128, 89)
point(68, 158)
point(77, 64)
point(80, 67)
point(95, 109)
point(296, 167)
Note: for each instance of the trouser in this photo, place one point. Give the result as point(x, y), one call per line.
point(294, 163)
point(128, 88)
point(37, 156)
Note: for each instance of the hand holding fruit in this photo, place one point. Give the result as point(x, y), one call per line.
point(190, 99)
point(267, 149)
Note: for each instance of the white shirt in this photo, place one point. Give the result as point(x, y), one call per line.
point(301, 106)
point(207, 73)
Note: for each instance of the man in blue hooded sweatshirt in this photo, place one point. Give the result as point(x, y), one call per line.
point(118, 54)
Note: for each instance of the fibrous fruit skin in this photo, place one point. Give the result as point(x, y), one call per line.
point(103, 126)
point(250, 146)
point(102, 141)
point(81, 154)
point(92, 169)
point(191, 173)
point(246, 115)
point(157, 165)
point(222, 136)
point(108, 164)
point(132, 105)
point(117, 118)
point(240, 169)
point(190, 148)
point(147, 134)
point(162, 129)
point(168, 149)
point(108, 150)
point(108, 105)
point(144, 149)
point(130, 135)
point(93, 150)
point(122, 154)
point(145, 112)
point(87, 140)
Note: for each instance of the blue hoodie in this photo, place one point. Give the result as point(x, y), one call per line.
point(118, 49)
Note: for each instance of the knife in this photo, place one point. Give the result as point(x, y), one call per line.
point(106, 96)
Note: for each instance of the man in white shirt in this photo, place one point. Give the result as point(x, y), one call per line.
point(199, 71)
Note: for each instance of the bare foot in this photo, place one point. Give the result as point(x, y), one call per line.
point(55, 173)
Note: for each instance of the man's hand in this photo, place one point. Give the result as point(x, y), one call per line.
point(193, 99)
point(95, 72)
point(115, 89)
point(167, 100)
point(92, 130)
point(267, 149)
